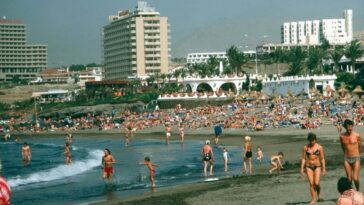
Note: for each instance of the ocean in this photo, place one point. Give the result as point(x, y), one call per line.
point(48, 180)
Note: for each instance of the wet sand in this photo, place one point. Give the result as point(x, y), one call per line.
point(260, 188)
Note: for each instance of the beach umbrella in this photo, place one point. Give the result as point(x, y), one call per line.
point(263, 96)
point(358, 91)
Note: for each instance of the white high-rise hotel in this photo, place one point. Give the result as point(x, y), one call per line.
point(136, 43)
point(336, 31)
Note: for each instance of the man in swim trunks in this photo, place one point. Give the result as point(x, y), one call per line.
point(108, 162)
point(218, 131)
point(351, 145)
point(168, 133)
point(348, 195)
point(151, 170)
point(207, 156)
point(26, 153)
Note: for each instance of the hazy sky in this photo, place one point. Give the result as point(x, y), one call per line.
point(72, 28)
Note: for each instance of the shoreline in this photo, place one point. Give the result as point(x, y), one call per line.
point(260, 188)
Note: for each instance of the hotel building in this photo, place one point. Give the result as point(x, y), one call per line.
point(336, 31)
point(312, 33)
point(17, 57)
point(136, 43)
point(203, 57)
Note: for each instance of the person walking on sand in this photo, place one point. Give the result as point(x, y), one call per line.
point(351, 145)
point(168, 133)
point(348, 195)
point(151, 168)
point(248, 154)
point(259, 155)
point(276, 163)
point(26, 153)
point(67, 153)
point(313, 161)
point(108, 162)
point(207, 156)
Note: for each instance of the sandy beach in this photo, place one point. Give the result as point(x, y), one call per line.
point(260, 188)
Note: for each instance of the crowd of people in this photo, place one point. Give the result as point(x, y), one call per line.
point(244, 115)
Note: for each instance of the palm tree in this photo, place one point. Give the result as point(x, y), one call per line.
point(176, 74)
point(183, 73)
point(336, 56)
point(212, 66)
point(296, 57)
point(315, 58)
point(163, 76)
point(236, 59)
point(353, 51)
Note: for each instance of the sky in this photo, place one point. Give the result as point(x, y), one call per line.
point(72, 28)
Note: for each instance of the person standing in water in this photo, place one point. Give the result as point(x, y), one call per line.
point(313, 160)
point(225, 158)
point(67, 153)
point(168, 133)
point(351, 145)
point(108, 162)
point(248, 154)
point(182, 132)
point(151, 168)
point(259, 155)
point(207, 156)
point(26, 153)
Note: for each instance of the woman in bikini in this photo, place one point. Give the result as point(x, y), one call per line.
point(108, 162)
point(313, 161)
point(248, 154)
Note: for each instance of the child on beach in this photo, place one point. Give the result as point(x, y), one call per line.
point(151, 168)
point(276, 163)
point(259, 155)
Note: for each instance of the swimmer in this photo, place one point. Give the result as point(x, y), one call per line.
point(248, 154)
point(207, 156)
point(351, 145)
point(67, 153)
point(69, 138)
point(276, 163)
point(151, 168)
point(108, 162)
point(26, 153)
point(259, 155)
point(313, 161)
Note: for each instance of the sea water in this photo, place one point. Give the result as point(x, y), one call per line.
point(48, 180)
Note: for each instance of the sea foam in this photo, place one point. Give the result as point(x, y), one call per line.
point(61, 171)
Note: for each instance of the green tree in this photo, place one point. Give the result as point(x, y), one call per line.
point(77, 67)
point(353, 51)
point(213, 66)
point(236, 59)
point(336, 56)
point(314, 61)
point(296, 57)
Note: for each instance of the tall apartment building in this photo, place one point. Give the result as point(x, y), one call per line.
point(17, 57)
point(336, 31)
point(136, 43)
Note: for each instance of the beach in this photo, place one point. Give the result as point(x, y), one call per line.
point(235, 188)
point(260, 188)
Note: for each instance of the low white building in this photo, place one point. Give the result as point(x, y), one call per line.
point(297, 84)
point(53, 96)
point(203, 57)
